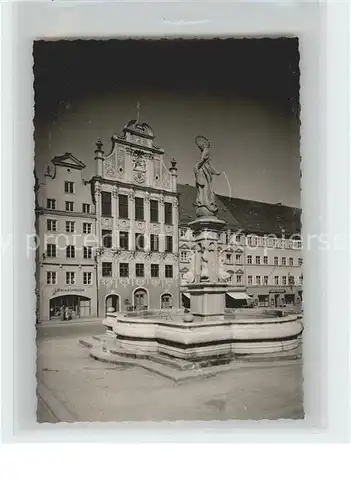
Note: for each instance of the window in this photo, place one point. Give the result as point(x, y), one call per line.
point(106, 235)
point(238, 258)
point(123, 206)
point(249, 259)
point(265, 280)
point(169, 244)
point(249, 280)
point(168, 271)
point(258, 259)
point(154, 270)
point(139, 270)
point(276, 261)
point(291, 280)
point(70, 251)
point(86, 228)
point(283, 261)
point(239, 279)
point(51, 225)
point(182, 233)
point(166, 301)
point(106, 269)
point(265, 259)
point(258, 280)
point(139, 241)
point(263, 300)
point(87, 252)
point(87, 279)
point(139, 208)
point(168, 213)
point(50, 250)
point(69, 206)
point(299, 244)
point(227, 237)
point(106, 204)
point(283, 280)
point(154, 243)
point(51, 278)
point(276, 280)
point(291, 261)
point(238, 238)
point(70, 278)
point(184, 256)
point(69, 187)
point(228, 258)
point(300, 280)
point(124, 270)
point(153, 210)
point(300, 261)
point(123, 240)
point(86, 208)
point(51, 203)
point(69, 226)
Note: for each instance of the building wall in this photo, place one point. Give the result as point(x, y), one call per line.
point(66, 169)
point(240, 248)
point(134, 168)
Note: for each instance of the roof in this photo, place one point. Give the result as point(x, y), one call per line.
point(246, 215)
point(68, 160)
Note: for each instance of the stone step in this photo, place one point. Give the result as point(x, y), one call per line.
point(177, 375)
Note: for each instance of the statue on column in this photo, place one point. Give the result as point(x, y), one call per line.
point(204, 171)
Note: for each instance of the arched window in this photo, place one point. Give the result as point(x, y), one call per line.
point(166, 301)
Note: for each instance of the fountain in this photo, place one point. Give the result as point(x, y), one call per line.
point(208, 335)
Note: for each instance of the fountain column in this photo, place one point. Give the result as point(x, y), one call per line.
point(207, 292)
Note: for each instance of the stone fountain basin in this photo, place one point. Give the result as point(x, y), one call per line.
point(238, 336)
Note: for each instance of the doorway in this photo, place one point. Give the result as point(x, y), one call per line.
point(112, 300)
point(140, 299)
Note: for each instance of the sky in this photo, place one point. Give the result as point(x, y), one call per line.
point(242, 94)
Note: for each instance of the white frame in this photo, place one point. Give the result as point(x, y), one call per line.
point(324, 150)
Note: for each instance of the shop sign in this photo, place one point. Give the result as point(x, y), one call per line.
point(68, 290)
point(276, 290)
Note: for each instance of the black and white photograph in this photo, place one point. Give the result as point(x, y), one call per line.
point(168, 237)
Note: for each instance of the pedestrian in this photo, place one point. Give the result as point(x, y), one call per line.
point(62, 313)
point(67, 313)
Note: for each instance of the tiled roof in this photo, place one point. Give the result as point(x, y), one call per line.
point(246, 215)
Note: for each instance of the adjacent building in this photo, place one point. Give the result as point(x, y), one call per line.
point(120, 238)
point(261, 250)
point(66, 270)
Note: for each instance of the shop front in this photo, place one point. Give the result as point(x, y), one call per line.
point(277, 297)
point(67, 303)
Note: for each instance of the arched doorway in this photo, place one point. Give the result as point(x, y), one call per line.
point(79, 306)
point(166, 301)
point(112, 300)
point(140, 299)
